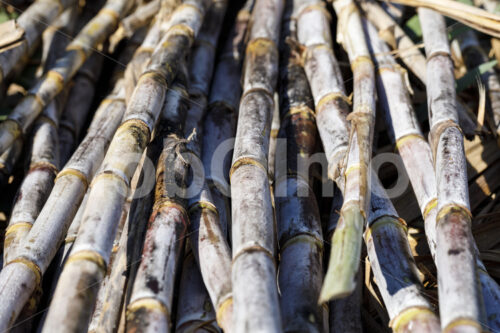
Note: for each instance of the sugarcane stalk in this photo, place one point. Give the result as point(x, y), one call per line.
point(10, 156)
point(62, 255)
point(44, 147)
point(195, 312)
point(208, 210)
point(200, 70)
point(346, 242)
point(327, 87)
point(141, 17)
point(409, 54)
point(460, 299)
point(394, 35)
point(298, 221)
point(344, 313)
point(417, 158)
point(111, 275)
point(58, 76)
point(20, 36)
point(220, 121)
point(127, 258)
point(8, 160)
point(78, 106)
point(90, 254)
point(394, 268)
point(19, 277)
point(142, 55)
point(150, 304)
point(111, 296)
point(253, 233)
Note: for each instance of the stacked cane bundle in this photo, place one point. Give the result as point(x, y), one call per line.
point(213, 165)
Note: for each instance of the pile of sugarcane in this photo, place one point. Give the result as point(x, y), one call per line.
point(238, 166)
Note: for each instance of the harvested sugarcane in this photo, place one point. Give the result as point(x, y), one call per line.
point(344, 313)
point(460, 299)
point(138, 19)
point(415, 151)
point(208, 210)
point(51, 84)
point(20, 36)
point(327, 87)
point(346, 242)
point(195, 312)
point(394, 268)
point(20, 276)
point(101, 304)
point(78, 106)
point(44, 147)
point(396, 37)
point(8, 160)
point(171, 220)
point(255, 291)
point(90, 255)
point(297, 215)
point(127, 259)
point(142, 55)
point(408, 310)
point(151, 302)
point(410, 55)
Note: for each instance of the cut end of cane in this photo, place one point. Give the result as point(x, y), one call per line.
point(415, 319)
point(224, 315)
point(340, 279)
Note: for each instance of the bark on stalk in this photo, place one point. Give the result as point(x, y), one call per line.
point(460, 300)
point(297, 213)
point(58, 76)
point(8, 160)
point(142, 55)
point(151, 299)
point(92, 248)
point(195, 312)
point(107, 283)
point(44, 147)
point(340, 279)
point(22, 35)
point(208, 234)
point(19, 278)
point(141, 17)
point(210, 215)
point(394, 268)
point(62, 255)
point(409, 54)
point(253, 232)
point(327, 87)
point(417, 158)
point(344, 313)
point(78, 106)
point(395, 36)
point(127, 259)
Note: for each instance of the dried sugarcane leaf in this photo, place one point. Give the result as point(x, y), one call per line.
point(10, 34)
point(474, 17)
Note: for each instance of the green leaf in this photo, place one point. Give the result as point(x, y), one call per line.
point(470, 77)
point(413, 29)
